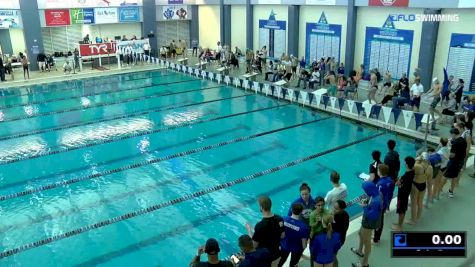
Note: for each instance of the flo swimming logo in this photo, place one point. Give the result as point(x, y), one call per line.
point(425, 17)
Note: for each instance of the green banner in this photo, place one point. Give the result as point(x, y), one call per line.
point(77, 16)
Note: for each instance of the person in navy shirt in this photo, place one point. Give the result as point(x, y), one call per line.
point(307, 202)
point(296, 236)
point(325, 245)
point(253, 257)
point(385, 186)
point(341, 70)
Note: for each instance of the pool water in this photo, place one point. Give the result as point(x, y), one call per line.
point(140, 169)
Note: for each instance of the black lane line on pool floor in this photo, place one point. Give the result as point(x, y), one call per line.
point(101, 104)
point(128, 115)
point(162, 205)
point(74, 87)
point(153, 161)
point(156, 150)
point(104, 104)
point(140, 190)
point(101, 142)
point(92, 94)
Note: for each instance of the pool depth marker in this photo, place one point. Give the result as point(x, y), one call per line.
point(162, 205)
point(153, 161)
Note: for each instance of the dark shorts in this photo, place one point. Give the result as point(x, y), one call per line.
point(435, 171)
point(420, 186)
point(453, 169)
point(435, 102)
point(402, 203)
point(416, 102)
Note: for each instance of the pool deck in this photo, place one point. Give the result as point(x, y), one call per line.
point(445, 215)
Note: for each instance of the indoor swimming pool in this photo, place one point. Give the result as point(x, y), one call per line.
point(140, 169)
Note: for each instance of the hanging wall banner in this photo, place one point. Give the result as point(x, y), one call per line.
point(461, 59)
point(175, 2)
point(322, 40)
point(129, 14)
point(97, 49)
point(106, 15)
point(175, 12)
point(57, 17)
point(321, 2)
point(388, 49)
point(10, 4)
point(272, 34)
point(82, 16)
point(403, 3)
point(9, 19)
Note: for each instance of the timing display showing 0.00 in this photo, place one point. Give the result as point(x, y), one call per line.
point(428, 244)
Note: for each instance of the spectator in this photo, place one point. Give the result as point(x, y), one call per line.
point(314, 79)
point(172, 49)
point(392, 160)
point(269, 231)
point(76, 58)
point(41, 58)
point(373, 167)
point(390, 93)
point(316, 217)
point(124, 38)
point(404, 94)
point(146, 49)
point(385, 186)
point(2, 69)
point(443, 151)
point(304, 76)
point(296, 236)
point(325, 245)
point(459, 93)
point(451, 107)
point(342, 82)
point(272, 69)
point(212, 250)
point(338, 192)
point(194, 45)
point(341, 69)
point(330, 78)
point(417, 89)
point(351, 86)
point(372, 209)
point(26, 68)
point(456, 160)
point(307, 202)
point(373, 86)
point(98, 40)
point(67, 66)
point(253, 257)
point(302, 63)
point(9, 68)
point(341, 222)
point(86, 39)
point(422, 172)
point(405, 186)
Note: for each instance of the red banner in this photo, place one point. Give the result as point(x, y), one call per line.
point(57, 17)
point(403, 3)
point(97, 49)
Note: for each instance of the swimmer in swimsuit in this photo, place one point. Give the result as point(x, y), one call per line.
point(436, 94)
point(422, 173)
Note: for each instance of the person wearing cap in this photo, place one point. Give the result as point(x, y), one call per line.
point(253, 257)
point(436, 91)
point(212, 250)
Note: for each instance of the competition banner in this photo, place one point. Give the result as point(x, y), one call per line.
point(82, 16)
point(129, 14)
point(272, 33)
point(106, 15)
point(97, 49)
point(135, 45)
point(461, 59)
point(51, 4)
point(322, 40)
point(57, 17)
point(9, 19)
point(388, 49)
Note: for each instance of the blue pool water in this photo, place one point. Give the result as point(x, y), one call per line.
point(167, 151)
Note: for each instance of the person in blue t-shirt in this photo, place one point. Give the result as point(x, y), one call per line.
point(296, 236)
point(307, 202)
point(253, 257)
point(385, 186)
point(325, 245)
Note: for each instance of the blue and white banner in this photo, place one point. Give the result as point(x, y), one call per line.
point(10, 19)
point(273, 35)
point(136, 46)
point(388, 49)
point(322, 40)
point(129, 14)
point(461, 59)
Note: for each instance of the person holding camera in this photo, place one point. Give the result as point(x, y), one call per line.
point(212, 250)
